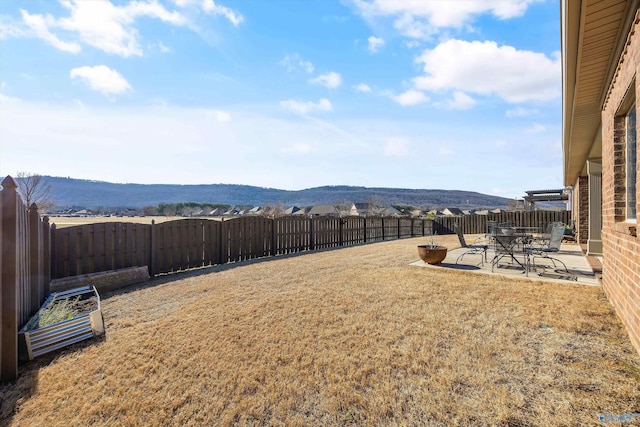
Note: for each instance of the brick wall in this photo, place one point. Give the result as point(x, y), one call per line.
point(581, 209)
point(621, 245)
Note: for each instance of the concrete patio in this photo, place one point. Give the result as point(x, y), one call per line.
point(578, 265)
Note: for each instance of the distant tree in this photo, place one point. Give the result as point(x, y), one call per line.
point(515, 205)
point(167, 209)
point(34, 189)
point(376, 204)
point(342, 207)
point(276, 209)
point(149, 211)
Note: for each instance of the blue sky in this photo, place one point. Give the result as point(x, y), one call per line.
point(290, 94)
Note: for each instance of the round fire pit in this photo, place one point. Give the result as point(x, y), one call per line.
point(432, 254)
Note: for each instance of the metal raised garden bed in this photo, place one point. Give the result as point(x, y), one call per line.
point(87, 322)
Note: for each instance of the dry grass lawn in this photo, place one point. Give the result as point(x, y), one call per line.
point(351, 336)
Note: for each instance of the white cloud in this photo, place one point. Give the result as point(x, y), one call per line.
point(163, 48)
point(363, 87)
point(99, 24)
point(307, 66)
point(520, 112)
point(422, 19)
point(307, 107)
point(329, 80)
point(375, 44)
point(397, 147)
point(461, 101)
point(111, 28)
point(210, 6)
point(102, 79)
point(411, 97)
point(10, 28)
point(486, 68)
point(299, 149)
point(40, 24)
point(536, 128)
point(411, 44)
point(293, 61)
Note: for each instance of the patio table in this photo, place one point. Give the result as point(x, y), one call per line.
point(506, 242)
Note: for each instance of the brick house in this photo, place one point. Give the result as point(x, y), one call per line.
point(601, 89)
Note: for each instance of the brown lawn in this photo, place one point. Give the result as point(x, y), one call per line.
point(352, 336)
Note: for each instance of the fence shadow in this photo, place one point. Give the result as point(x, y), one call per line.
point(12, 393)
point(163, 279)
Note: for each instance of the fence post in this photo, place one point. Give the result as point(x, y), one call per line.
point(46, 257)
point(340, 227)
point(222, 245)
point(8, 294)
point(274, 234)
point(399, 231)
point(152, 249)
point(382, 218)
point(365, 229)
point(35, 260)
point(54, 252)
point(312, 242)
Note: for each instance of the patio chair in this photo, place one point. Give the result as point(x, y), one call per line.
point(545, 250)
point(474, 248)
point(545, 236)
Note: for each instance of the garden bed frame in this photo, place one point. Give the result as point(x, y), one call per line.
point(36, 342)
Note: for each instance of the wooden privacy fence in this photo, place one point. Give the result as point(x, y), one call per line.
point(24, 269)
point(192, 243)
point(477, 224)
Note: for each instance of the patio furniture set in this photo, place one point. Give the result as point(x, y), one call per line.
point(518, 247)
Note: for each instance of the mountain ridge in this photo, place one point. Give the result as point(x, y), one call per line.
point(70, 192)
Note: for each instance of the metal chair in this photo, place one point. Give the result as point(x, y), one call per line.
point(474, 248)
point(553, 246)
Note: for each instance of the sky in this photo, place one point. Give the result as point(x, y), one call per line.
point(288, 94)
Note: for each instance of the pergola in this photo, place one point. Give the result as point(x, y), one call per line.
point(534, 196)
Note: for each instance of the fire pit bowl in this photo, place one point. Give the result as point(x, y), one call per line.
point(432, 254)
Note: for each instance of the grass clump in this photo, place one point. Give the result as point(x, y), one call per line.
point(58, 311)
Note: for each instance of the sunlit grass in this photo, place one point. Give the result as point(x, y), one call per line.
point(352, 336)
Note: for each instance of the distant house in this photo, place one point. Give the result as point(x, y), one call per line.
point(231, 212)
point(366, 209)
point(361, 209)
point(324, 210)
point(416, 213)
point(255, 211)
point(495, 211)
point(452, 212)
point(391, 211)
point(481, 212)
point(302, 211)
point(216, 212)
point(292, 210)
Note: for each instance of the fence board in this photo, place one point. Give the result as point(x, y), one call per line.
point(24, 274)
point(477, 224)
point(97, 247)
